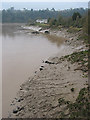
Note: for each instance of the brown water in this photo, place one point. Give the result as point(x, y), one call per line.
point(22, 54)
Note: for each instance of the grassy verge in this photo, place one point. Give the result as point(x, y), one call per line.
point(84, 37)
point(81, 33)
point(73, 29)
point(42, 25)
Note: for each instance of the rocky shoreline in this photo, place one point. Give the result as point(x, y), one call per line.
point(57, 78)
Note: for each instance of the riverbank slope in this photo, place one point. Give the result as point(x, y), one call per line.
point(60, 79)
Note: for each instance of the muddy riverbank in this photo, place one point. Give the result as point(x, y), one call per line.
point(56, 78)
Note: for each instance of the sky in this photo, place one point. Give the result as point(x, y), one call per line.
point(44, 0)
point(44, 5)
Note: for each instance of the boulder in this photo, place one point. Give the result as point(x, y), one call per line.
point(35, 32)
point(17, 109)
point(40, 29)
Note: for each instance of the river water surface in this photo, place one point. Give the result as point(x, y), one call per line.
point(22, 55)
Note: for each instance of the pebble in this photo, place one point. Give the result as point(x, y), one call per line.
point(17, 109)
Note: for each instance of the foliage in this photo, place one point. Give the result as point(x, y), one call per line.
point(86, 28)
point(88, 23)
point(23, 16)
point(81, 58)
point(78, 56)
point(73, 29)
point(80, 108)
point(68, 22)
point(42, 25)
point(52, 21)
point(76, 15)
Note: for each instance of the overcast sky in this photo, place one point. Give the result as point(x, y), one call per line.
point(36, 4)
point(44, 0)
point(44, 5)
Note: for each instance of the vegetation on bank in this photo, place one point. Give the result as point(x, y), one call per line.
point(80, 108)
point(43, 25)
point(81, 58)
point(76, 22)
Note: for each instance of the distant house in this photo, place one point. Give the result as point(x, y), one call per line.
point(41, 20)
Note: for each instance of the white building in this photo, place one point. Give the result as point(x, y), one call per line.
point(41, 20)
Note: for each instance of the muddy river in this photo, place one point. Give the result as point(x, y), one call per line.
point(22, 55)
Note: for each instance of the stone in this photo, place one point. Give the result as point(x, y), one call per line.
point(41, 69)
point(17, 109)
point(48, 62)
point(19, 100)
point(40, 29)
point(35, 32)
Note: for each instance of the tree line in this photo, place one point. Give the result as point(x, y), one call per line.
point(23, 16)
point(76, 20)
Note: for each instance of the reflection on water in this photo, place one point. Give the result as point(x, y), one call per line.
point(22, 54)
point(9, 29)
point(55, 39)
